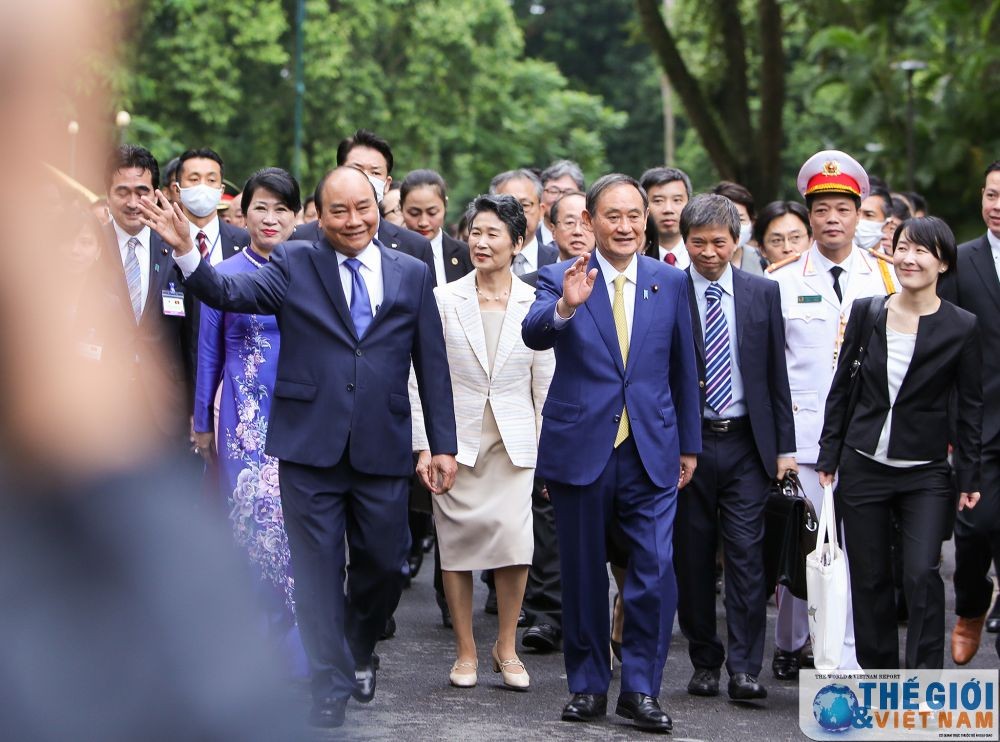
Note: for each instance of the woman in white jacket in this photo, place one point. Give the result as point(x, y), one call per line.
point(499, 384)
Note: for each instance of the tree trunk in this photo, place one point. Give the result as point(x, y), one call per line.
point(770, 127)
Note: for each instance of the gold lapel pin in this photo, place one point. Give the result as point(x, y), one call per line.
point(454, 261)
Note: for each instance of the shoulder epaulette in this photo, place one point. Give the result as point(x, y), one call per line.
point(782, 263)
point(883, 268)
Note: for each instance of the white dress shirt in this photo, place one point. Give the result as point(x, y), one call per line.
point(530, 253)
point(212, 234)
point(371, 272)
point(437, 247)
point(545, 232)
point(738, 407)
point(995, 249)
point(824, 264)
point(679, 251)
point(609, 273)
point(141, 254)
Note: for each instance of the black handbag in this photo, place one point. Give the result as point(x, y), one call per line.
point(790, 529)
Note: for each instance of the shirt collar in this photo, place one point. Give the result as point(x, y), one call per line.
point(701, 283)
point(211, 231)
point(370, 257)
point(123, 237)
point(530, 253)
point(825, 264)
point(610, 272)
point(437, 243)
point(994, 244)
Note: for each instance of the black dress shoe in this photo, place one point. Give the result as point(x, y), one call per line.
point(585, 707)
point(390, 629)
point(704, 682)
point(415, 561)
point(541, 637)
point(644, 711)
point(328, 712)
point(523, 621)
point(426, 544)
point(364, 683)
point(785, 665)
point(745, 687)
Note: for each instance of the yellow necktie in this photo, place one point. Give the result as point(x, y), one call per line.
point(618, 311)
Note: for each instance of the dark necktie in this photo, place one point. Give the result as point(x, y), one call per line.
point(203, 244)
point(836, 271)
point(670, 259)
point(361, 304)
point(718, 364)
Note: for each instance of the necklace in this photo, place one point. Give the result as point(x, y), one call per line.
point(255, 258)
point(501, 297)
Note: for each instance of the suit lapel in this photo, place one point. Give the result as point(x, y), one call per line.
point(742, 301)
point(471, 320)
point(521, 298)
point(159, 267)
point(325, 261)
point(982, 257)
point(228, 237)
point(699, 331)
point(392, 275)
point(642, 312)
point(858, 279)
point(819, 280)
point(599, 307)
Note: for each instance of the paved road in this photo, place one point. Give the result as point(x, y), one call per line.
point(415, 702)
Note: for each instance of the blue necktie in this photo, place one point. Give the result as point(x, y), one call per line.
point(718, 368)
point(361, 304)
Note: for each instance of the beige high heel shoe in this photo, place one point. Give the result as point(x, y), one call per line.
point(513, 680)
point(464, 679)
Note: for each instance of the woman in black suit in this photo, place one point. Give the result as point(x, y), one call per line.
point(891, 449)
point(424, 200)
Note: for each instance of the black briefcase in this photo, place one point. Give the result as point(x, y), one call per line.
point(790, 528)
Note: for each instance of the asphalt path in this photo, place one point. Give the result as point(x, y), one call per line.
point(414, 700)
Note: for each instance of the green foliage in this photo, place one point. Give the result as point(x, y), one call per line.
point(447, 83)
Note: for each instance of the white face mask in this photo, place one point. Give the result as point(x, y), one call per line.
point(378, 185)
point(201, 199)
point(746, 232)
point(868, 233)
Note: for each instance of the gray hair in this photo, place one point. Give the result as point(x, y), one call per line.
point(522, 174)
point(657, 176)
point(609, 181)
point(554, 209)
point(562, 168)
point(710, 210)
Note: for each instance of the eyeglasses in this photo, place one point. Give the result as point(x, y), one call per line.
point(527, 204)
point(555, 191)
point(794, 239)
point(397, 210)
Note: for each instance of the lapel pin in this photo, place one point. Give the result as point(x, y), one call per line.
point(163, 250)
point(156, 268)
point(454, 261)
point(645, 293)
point(656, 287)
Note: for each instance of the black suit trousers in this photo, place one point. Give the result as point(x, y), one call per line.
point(728, 493)
point(923, 500)
point(543, 593)
point(321, 506)
point(976, 530)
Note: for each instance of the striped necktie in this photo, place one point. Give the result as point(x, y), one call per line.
point(203, 247)
point(133, 275)
point(718, 364)
point(621, 326)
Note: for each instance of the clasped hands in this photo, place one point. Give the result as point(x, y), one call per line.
point(437, 472)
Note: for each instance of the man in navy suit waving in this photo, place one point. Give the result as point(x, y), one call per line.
point(748, 438)
point(620, 434)
point(352, 316)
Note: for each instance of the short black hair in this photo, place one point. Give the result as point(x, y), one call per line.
point(128, 156)
point(918, 201)
point(657, 176)
point(737, 194)
point(811, 198)
point(418, 178)
point(508, 210)
point(932, 233)
point(899, 209)
point(365, 138)
point(776, 210)
point(710, 210)
point(993, 167)
point(276, 180)
point(609, 181)
point(170, 171)
point(203, 153)
point(557, 204)
point(885, 197)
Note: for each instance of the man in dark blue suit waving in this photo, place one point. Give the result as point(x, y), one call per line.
point(620, 436)
point(352, 316)
point(748, 439)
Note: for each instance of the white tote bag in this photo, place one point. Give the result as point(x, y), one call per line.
point(827, 586)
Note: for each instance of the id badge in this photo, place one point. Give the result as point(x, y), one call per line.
point(173, 302)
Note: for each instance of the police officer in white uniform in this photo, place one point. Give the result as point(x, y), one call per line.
point(817, 290)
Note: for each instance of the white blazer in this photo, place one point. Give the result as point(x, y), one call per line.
point(516, 390)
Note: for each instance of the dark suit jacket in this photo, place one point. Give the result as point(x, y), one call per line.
point(151, 353)
point(334, 392)
point(658, 385)
point(388, 234)
point(974, 287)
point(232, 240)
point(947, 357)
point(760, 334)
point(457, 262)
point(547, 254)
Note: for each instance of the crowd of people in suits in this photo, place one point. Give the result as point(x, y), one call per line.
point(575, 383)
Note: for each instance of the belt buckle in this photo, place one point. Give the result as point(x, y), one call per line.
point(720, 426)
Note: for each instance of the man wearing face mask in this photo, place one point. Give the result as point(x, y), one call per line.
point(198, 187)
point(874, 211)
point(372, 154)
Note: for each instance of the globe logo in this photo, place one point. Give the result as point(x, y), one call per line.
point(835, 707)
